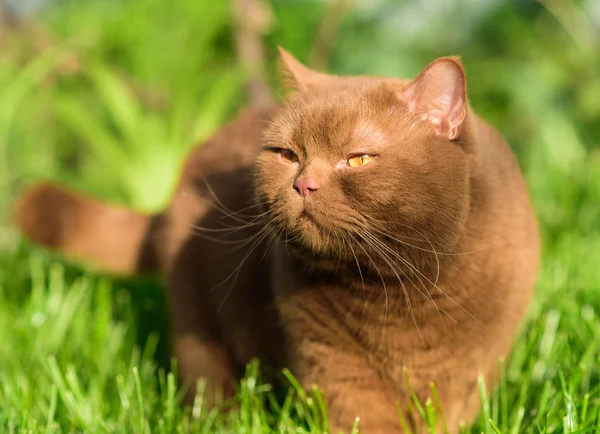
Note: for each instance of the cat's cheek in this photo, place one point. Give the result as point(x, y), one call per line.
point(358, 188)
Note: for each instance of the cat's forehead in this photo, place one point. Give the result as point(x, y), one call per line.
point(337, 117)
point(367, 130)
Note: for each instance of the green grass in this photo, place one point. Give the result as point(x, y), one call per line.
point(114, 106)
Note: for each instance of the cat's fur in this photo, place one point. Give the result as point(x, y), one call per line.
point(424, 259)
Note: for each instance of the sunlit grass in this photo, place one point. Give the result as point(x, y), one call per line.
point(70, 359)
point(81, 352)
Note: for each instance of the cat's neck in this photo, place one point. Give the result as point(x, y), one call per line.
point(301, 272)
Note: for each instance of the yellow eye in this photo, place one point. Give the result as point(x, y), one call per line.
point(288, 156)
point(360, 160)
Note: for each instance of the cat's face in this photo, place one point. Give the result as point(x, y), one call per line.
point(350, 173)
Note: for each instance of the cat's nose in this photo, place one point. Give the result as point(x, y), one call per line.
point(305, 186)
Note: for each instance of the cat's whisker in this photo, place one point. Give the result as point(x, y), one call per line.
point(390, 264)
point(388, 261)
point(231, 230)
point(435, 284)
point(418, 273)
point(274, 235)
point(391, 236)
point(218, 204)
point(442, 292)
point(427, 294)
point(383, 284)
point(437, 261)
point(340, 254)
point(255, 205)
point(233, 215)
point(358, 311)
point(396, 255)
point(236, 272)
point(252, 237)
point(362, 280)
point(459, 306)
point(437, 212)
point(217, 240)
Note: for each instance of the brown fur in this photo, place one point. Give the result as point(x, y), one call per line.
point(424, 259)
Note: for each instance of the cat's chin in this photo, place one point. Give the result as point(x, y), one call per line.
point(308, 235)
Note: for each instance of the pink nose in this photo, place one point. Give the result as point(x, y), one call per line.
point(305, 186)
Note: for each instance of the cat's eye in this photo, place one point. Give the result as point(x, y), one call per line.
point(288, 156)
point(360, 160)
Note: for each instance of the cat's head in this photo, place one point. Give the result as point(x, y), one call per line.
point(367, 169)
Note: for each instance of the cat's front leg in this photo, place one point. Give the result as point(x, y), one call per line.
point(197, 344)
point(351, 388)
point(207, 361)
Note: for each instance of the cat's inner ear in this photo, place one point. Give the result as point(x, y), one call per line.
point(439, 95)
point(297, 76)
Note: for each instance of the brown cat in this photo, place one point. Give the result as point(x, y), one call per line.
point(365, 226)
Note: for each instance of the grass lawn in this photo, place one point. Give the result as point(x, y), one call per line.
point(112, 108)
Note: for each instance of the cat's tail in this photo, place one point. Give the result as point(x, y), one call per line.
point(115, 239)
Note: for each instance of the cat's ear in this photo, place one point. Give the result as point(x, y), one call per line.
point(296, 75)
point(439, 95)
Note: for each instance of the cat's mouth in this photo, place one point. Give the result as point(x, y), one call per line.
point(307, 223)
point(310, 221)
point(307, 216)
point(309, 228)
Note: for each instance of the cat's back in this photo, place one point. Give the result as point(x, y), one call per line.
point(500, 198)
point(495, 276)
point(233, 147)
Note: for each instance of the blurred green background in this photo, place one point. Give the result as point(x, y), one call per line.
point(107, 96)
